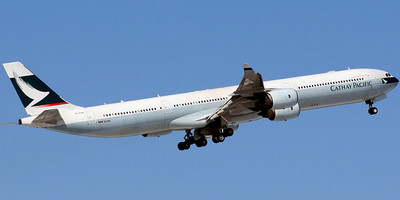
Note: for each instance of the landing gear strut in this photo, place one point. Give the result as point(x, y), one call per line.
point(372, 110)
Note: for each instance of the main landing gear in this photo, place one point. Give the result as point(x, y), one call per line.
point(372, 110)
point(200, 140)
point(190, 138)
point(222, 134)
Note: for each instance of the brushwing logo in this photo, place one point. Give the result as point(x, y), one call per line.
point(30, 91)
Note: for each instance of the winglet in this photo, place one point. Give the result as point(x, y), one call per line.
point(248, 69)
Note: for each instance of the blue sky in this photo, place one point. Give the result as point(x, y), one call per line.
point(96, 52)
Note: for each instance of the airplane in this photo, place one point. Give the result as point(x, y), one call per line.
point(212, 113)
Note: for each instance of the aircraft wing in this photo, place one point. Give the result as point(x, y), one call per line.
point(243, 100)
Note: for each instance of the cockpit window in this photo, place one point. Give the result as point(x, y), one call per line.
point(387, 75)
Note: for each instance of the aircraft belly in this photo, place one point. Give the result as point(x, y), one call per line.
point(123, 126)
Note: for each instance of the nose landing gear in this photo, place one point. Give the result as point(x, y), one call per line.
point(372, 110)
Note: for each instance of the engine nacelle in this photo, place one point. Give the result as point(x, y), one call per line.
point(281, 98)
point(284, 114)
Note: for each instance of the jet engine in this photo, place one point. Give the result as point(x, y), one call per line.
point(284, 114)
point(278, 99)
point(282, 98)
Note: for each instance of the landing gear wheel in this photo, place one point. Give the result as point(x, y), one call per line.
point(201, 142)
point(181, 146)
point(221, 138)
point(218, 138)
point(215, 139)
point(373, 111)
point(228, 132)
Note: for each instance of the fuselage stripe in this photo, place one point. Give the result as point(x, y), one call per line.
point(52, 104)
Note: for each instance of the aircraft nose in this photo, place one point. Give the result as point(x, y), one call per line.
point(395, 80)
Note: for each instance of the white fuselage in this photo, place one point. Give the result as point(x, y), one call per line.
point(161, 115)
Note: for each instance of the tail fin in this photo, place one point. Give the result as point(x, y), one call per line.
point(35, 95)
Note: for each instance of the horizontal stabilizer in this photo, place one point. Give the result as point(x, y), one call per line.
point(48, 118)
